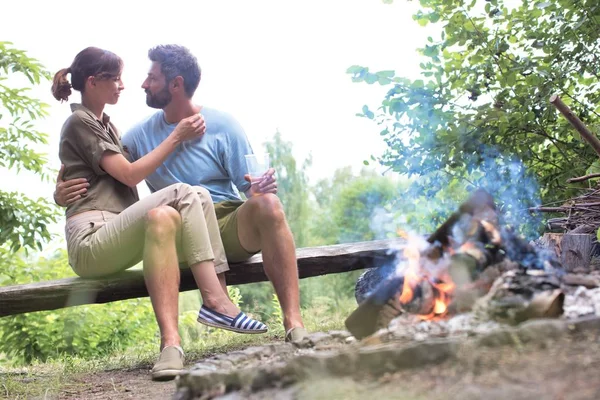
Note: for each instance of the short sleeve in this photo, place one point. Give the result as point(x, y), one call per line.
point(91, 141)
point(238, 146)
point(129, 146)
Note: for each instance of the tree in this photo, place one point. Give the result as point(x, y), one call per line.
point(23, 221)
point(355, 208)
point(292, 183)
point(293, 191)
point(351, 208)
point(480, 113)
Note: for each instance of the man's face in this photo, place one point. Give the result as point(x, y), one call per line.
point(156, 87)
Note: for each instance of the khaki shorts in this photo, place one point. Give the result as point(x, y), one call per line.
point(228, 226)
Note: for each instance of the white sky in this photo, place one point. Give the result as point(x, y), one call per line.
point(271, 64)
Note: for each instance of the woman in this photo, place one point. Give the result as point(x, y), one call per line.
point(109, 230)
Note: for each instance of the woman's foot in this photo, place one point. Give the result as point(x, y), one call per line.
point(223, 306)
point(241, 323)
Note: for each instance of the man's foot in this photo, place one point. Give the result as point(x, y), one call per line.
point(169, 364)
point(296, 335)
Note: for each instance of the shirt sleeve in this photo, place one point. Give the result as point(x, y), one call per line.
point(238, 146)
point(91, 141)
point(129, 145)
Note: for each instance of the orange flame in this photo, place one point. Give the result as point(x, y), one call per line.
point(415, 274)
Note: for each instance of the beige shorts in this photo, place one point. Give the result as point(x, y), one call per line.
point(101, 243)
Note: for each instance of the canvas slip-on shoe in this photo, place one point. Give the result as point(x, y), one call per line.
point(169, 364)
point(240, 324)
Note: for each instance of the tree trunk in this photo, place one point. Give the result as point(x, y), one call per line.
point(576, 252)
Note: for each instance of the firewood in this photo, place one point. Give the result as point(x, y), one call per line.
point(585, 133)
point(576, 252)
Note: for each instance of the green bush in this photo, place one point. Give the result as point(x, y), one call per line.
point(85, 331)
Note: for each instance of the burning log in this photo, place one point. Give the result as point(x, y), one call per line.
point(459, 249)
point(451, 270)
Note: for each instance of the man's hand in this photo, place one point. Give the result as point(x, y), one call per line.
point(266, 184)
point(67, 192)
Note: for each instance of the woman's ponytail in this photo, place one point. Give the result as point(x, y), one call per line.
point(61, 88)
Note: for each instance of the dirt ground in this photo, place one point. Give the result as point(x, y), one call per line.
point(563, 369)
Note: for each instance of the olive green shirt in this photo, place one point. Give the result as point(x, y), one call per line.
point(83, 140)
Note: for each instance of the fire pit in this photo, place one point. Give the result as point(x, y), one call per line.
point(469, 259)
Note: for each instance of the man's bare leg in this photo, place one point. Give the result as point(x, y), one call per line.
point(262, 225)
point(161, 271)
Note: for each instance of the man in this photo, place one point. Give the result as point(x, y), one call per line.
point(216, 162)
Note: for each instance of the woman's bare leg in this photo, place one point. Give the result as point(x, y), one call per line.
point(213, 295)
point(161, 271)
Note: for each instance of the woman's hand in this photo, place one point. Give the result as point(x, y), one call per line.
point(190, 128)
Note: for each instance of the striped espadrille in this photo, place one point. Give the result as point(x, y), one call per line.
point(241, 323)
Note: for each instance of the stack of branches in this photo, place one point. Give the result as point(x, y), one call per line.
point(581, 213)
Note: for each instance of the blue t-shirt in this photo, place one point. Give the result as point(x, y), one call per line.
point(215, 161)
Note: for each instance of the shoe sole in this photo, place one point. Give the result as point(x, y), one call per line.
point(166, 374)
point(230, 328)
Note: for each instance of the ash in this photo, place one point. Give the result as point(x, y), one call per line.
point(410, 327)
point(580, 302)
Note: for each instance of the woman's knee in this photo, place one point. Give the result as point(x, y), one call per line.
point(163, 220)
point(203, 193)
point(181, 190)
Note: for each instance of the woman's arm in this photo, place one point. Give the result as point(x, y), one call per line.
point(131, 174)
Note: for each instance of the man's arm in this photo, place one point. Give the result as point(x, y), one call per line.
point(67, 192)
point(238, 145)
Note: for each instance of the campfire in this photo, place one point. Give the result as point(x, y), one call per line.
point(458, 264)
point(432, 285)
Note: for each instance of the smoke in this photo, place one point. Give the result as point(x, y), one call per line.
point(514, 190)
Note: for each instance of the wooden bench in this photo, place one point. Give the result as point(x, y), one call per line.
point(68, 292)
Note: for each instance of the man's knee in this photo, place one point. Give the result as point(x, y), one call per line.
point(267, 207)
point(162, 220)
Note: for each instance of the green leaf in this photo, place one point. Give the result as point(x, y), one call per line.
point(469, 27)
point(368, 113)
point(355, 69)
point(434, 17)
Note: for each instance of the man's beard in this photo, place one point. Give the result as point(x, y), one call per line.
point(158, 100)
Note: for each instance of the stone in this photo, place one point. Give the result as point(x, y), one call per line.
point(340, 335)
point(541, 330)
point(499, 337)
point(318, 337)
point(588, 323)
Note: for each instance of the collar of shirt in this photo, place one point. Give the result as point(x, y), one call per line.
point(105, 118)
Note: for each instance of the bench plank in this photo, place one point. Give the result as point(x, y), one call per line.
point(68, 292)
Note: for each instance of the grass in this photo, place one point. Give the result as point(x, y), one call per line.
point(45, 380)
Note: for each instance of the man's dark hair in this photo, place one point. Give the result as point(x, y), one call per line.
point(176, 61)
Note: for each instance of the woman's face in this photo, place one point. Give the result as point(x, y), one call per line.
point(108, 90)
